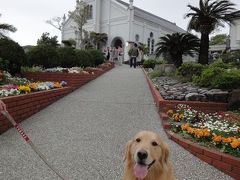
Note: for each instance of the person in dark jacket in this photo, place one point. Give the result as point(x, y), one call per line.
point(133, 53)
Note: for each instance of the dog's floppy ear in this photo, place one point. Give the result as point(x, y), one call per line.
point(127, 154)
point(165, 153)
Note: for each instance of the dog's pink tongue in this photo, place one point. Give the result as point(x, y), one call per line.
point(140, 171)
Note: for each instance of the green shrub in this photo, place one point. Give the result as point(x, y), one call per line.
point(229, 79)
point(231, 57)
point(190, 69)
point(155, 73)
point(84, 58)
point(219, 75)
point(150, 63)
point(4, 64)
point(13, 53)
point(97, 56)
point(208, 76)
point(43, 55)
point(67, 57)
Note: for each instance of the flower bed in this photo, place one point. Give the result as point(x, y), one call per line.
point(222, 161)
point(74, 80)
point(211, 130)
point(12, 89)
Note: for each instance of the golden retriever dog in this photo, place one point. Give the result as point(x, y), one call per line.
point(147, 158)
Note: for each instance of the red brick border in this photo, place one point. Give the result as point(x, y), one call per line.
point(224, 162)
point(165, 105)
point(24, 105)
point(73, 80)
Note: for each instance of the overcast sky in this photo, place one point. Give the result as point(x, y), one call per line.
point(29, 16)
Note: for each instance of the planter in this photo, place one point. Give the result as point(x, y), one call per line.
point(165, 105)
point(73, 80)
point(224, 162)
point(23, 106)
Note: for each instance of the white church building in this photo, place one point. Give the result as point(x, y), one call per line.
point(123, 23)
point(235, 35)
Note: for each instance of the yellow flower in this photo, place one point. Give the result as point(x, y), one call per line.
point(25, 89)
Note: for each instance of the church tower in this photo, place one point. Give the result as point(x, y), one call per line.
point(97, 16)
point(95, 9)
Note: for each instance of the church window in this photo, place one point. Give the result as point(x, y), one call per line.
point(137, 37)
point(152, 47)
point(148, 44)
point(151, 35)
point(89, 11)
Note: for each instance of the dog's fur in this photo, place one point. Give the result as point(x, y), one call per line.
point(161, 169)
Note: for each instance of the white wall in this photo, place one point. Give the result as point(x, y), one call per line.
point(235, 35)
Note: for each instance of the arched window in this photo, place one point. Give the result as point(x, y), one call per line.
point(152, 47)
point(149, 45)
point(89, 11)
point(137, 37)
point(151, 35)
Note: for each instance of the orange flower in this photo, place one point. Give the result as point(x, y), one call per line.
point(170, 113)
point(227, 140)
point(57, 85)
point(185, 126)
point(235, 144)
point(217, 138)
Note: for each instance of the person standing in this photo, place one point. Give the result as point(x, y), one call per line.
point(133, 53)
point(108, 54)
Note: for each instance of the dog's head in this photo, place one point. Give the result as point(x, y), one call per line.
point(145, 152)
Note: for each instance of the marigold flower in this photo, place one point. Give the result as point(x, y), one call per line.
point(227, 140)
point(217, 138)
point(235, 144)
point(185, 126)
point(57, 85)
point(170, 113)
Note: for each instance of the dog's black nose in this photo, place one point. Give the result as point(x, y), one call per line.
point(142, 155)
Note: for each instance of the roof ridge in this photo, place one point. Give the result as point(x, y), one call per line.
point(127, 4)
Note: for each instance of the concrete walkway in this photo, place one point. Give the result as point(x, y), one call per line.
point(84, 134)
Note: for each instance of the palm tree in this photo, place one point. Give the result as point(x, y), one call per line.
point(6, 27)
point(98, 39)
point(207, 17)
point(176, 45)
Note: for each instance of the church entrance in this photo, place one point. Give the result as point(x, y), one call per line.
point(117, 42)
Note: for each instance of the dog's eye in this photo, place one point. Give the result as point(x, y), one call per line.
point(154, 143)
point(138, 139)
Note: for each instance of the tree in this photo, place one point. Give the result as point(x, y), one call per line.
point(80, 16)
point(98, 39)
point(207, 17)
point(43, 55)
point(219, 39)
point(46, 40)
point(13, 53)
point(6, 27)
point(176, 45)
point(57, 22)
